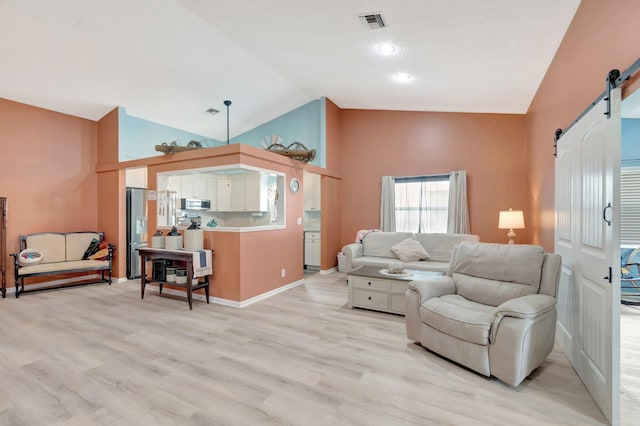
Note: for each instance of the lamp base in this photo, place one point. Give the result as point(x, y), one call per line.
point(512, 236)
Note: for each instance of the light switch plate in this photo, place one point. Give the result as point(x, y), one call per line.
point(299, 221)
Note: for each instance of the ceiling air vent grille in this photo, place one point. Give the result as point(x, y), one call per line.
point(372, 20)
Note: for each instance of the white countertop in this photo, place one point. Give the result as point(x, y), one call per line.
point(243, 228)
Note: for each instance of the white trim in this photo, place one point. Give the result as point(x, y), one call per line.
point(328, 271)
point(12, 289)
point(233, 303)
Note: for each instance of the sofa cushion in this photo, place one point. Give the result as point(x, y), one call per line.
point(52, 246)
point(63, 266)
point(409, 250)
point(456, 316)
point(494, 273)
point(440, 246)
point(381, 262)
point(378, 244)
point(427, 265)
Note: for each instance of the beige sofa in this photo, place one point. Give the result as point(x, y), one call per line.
point(375, 250)
point(62, 254)
point(493, 311)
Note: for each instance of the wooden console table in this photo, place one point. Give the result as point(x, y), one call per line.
point(147, 253)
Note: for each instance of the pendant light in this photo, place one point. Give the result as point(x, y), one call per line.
point(227, 103)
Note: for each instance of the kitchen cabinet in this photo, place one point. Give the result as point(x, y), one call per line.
point(255, 193)
point(223, 195)
point(312, 250)
point(212, 191)
point(238, 191)
point(174, 183)
point(194, 186)
point(311, 191)
point(245, 193)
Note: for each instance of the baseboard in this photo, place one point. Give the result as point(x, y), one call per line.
point(12, 288)
point(234, 303)
point(328, 271)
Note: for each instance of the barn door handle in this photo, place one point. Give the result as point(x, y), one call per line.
point(604, 214)
point(608, 277)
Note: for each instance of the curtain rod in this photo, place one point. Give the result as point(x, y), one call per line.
point(420, 176)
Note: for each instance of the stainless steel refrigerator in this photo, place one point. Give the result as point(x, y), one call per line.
point(136, 228)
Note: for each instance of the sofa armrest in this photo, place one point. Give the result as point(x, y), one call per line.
point(529, 307)
point(432, 287)
point(351, 251)
point(417, 293)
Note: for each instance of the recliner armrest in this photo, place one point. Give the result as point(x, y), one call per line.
point(432, 287)
point(351, 251)
point(530, 307)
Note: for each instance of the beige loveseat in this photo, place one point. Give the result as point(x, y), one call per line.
point(375, 250)
point(62, 254)
point(494, 310)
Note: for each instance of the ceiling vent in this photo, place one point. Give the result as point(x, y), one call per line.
point(212, 111)
point(372, 20)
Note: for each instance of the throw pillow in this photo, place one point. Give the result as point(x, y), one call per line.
point(93, 248)
point(410, 250)
point(100, 255)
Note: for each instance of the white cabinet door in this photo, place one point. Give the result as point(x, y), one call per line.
point(194, 186)
point(237, 194)
point(256, 193)
point(223, 194)
point(174, 183)
point(187, 187)
point(212, 191)
point(200, 187)
point(311, 191)
point(312, 249)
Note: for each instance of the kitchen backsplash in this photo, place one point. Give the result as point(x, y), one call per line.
point(311, 219)
point(234, 219)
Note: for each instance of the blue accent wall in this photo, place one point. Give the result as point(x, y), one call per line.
point(304, 124)
point(138, 137)
point(630, 150)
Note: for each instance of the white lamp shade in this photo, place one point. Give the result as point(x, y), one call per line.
point(511, 219)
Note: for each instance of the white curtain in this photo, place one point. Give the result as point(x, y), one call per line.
point(388, 204)
point(458, 222)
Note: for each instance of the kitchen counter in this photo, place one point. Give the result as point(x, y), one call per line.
point(243, 228)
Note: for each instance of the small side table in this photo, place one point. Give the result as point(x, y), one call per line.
point(147, 253)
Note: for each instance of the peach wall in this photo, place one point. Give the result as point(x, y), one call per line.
point(602, 36)
point(47, 173)
point(333, 136)
point(112, 193)
point(490, 147)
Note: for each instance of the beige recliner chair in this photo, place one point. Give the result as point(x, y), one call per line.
point(494, 311)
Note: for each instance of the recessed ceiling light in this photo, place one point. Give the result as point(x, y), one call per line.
point(385, 49)
point(401, 77)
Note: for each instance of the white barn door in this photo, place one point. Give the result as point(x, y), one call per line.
point(587, 236)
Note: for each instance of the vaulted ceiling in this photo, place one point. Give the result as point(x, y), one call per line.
point(170, 60)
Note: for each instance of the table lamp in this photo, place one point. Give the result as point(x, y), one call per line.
point(511, 219)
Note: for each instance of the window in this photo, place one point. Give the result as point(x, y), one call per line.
point(630, 205)
point(422, 203)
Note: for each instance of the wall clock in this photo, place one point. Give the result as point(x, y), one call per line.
point(294, 185)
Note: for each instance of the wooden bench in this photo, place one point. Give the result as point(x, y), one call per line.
point(62, 254)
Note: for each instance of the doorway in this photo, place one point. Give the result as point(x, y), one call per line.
point(629, 239)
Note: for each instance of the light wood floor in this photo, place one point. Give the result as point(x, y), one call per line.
point(100, 355)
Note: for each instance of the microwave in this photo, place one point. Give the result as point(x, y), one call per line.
point(194, 204)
